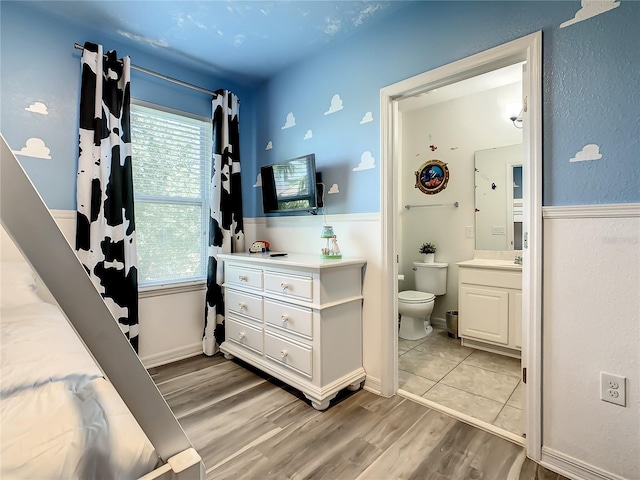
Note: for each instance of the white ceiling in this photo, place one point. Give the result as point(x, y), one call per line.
point(497, 78)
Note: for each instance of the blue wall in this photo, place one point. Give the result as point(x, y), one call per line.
point(39, 64)
point(591, 96)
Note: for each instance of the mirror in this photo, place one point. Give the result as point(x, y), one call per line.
point(498, 198)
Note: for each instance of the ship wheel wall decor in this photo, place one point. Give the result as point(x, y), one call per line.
point(432, 177)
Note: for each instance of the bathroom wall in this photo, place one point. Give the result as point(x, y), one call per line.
point(456, 128)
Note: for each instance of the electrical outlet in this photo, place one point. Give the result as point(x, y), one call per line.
point(613, 389)
point(469, 232)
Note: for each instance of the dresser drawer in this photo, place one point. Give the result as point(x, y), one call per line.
point(242, 276)
point(289, 317)
point(291, 355)
point(243, 334)
point(295, 286)
point(243, 304)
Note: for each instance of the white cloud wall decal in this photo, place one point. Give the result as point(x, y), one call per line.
point(269, 145)
point(258, 181)
point(37, 107)
point(368, 117)
point(589, 152)
point(336, 105)
point(334, 189)
point(290, 122)
point(308, 135)
point(34, 147)
point(367, 162)
point(591, 8)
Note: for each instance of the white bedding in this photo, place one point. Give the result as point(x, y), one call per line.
point(59, 417)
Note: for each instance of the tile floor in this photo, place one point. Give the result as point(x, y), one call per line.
point(480, 384)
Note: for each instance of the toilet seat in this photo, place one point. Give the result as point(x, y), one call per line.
point(412, 296)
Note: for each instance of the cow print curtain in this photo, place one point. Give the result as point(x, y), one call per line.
point(226, 233)
point(105, 231)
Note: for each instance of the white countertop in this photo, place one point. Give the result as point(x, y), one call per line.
point(292, 259)
point(491, 264)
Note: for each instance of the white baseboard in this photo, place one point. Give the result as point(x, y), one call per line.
point(573, 468)
point(171, 356)
point(373, 385)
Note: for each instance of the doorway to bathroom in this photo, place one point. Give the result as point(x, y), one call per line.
point(450, 115)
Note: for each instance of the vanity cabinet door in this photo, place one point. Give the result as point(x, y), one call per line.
point(515, 318)
point(484, 314)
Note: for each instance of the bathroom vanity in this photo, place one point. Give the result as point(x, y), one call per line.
point(298, 318)
point(490, 305)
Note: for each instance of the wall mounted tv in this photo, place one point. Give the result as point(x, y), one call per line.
point(291, 186)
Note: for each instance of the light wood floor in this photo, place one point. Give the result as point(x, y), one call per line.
point(246, 425)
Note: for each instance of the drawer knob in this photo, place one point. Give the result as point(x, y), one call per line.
point(283, 353)
point(284, 286)
point(242, 305)
point(242, 278)
point(284, 317)
point(241, 335)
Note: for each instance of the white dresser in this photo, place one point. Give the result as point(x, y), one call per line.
point(298, 318)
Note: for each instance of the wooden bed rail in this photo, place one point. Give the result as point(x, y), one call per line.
point(30, 225)
point(175, 467)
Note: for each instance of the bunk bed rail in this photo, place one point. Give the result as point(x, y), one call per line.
point(30, 225)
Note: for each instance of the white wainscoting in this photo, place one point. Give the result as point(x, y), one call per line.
point(591, 324)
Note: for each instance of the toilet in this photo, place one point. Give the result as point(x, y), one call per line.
point(415, 306)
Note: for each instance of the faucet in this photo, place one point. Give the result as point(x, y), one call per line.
point(518, 260)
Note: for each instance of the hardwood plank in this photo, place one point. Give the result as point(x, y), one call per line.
point(181, 367)
point(249, 466)
point(220, 429)
point(224, 383)
point(394, 422)
point(323, 436)
point(405, 456)
point(247, 425)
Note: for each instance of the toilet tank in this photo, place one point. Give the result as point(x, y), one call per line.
point(431, 277)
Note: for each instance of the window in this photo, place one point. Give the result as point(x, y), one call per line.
point(171, 158)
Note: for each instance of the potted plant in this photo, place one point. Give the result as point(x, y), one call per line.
point(428, 251)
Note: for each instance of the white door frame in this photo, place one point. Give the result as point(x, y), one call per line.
point(527, 49)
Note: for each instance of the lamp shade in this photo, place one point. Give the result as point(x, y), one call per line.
point(327, 232)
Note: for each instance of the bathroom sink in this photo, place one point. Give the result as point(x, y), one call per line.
point(491, 263)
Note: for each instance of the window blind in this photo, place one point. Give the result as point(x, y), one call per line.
point(171, 158)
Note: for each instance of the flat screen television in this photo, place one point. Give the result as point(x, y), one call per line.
point(291, 186)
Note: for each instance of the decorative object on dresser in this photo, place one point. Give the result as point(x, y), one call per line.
point(298, 318)
point(331, 250)
point(490, 305)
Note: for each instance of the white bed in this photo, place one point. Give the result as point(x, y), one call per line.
point(59, 416)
